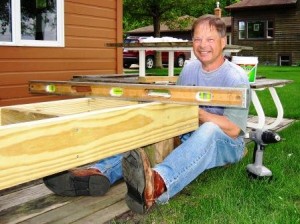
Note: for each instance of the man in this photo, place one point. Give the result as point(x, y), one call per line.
point(217, 141)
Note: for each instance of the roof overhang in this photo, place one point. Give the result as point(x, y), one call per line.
point(249, 4)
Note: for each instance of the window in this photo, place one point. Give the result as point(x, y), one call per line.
point(242, 30)
point(256, 29)
point(32, 23)
point(284, 60)
point(270, 29)
point(228, 35)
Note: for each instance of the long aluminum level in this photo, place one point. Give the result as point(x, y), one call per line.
point(195, 95)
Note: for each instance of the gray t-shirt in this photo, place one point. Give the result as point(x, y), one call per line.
point(228, 75)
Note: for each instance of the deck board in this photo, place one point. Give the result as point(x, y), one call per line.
point(56, 209)
point(82, 208)
point(23, 195)
point(106, 214)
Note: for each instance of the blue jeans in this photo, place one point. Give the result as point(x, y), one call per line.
point(205, 148)
point(111, 167)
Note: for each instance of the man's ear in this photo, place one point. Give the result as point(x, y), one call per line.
point(224, 41)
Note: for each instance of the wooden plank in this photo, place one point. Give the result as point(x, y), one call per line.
point(196, 95)
point(38, 111)
point(132, 78)
point(186, 44)
point(23, 196)
point(91, 78)
point(32, 150)
point(26, 203)
point(105, 215)
point(114, 79)
point(13, 116)
point(269, 120)
point(158, 79)
point(67, 107)
point(75, 208)
point(158, 151)
point(91, 10)
point(35, 208)
point(265, 83)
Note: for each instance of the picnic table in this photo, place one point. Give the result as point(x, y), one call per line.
point(270, 84)
point(170, 47)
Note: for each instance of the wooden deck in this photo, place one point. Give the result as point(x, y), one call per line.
point(34, 203)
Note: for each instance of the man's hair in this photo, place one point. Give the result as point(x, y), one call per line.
point(213, 21)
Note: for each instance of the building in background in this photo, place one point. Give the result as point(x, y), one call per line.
point(166, 31)
point(271, 27)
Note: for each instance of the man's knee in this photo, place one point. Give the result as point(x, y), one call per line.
point(209, 128)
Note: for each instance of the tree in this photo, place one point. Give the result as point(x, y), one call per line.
point(138, 13)
point(155, 12)
point(4, 16)
point(208, 6)
point(30, 10)
point(34, 10)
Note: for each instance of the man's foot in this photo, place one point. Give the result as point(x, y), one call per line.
point(78, 182)
point(144, 185)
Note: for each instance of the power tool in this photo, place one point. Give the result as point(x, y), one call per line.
point(261, 138)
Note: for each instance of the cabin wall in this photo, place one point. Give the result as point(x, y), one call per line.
point(89, 25)
point(286, 39)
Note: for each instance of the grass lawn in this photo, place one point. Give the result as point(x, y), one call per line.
point(227, 195)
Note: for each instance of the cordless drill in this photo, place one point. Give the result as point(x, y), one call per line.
point(261, 139)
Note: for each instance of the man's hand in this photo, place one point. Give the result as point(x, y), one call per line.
point(231, 129)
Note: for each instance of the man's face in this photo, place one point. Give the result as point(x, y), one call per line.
point(208, 46)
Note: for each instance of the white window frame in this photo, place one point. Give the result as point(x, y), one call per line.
point(242, 30)
point(16, 28)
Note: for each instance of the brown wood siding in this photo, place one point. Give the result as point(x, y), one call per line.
point(286, 33)
point(89, 25)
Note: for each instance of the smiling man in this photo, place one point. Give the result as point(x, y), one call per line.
point(217, 141)
point(209, 39)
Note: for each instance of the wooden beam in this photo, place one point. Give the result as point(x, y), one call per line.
point(13, 116)
point(158, 79)
point(180, 45)
point(196, 95)
point(265, 83)
point(37, 111)
point(35, 149)
point(126, 79)
point(157, 152)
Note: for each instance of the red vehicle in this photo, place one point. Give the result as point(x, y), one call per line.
point(132, 57)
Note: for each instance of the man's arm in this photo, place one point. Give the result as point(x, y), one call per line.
point(229, 128)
